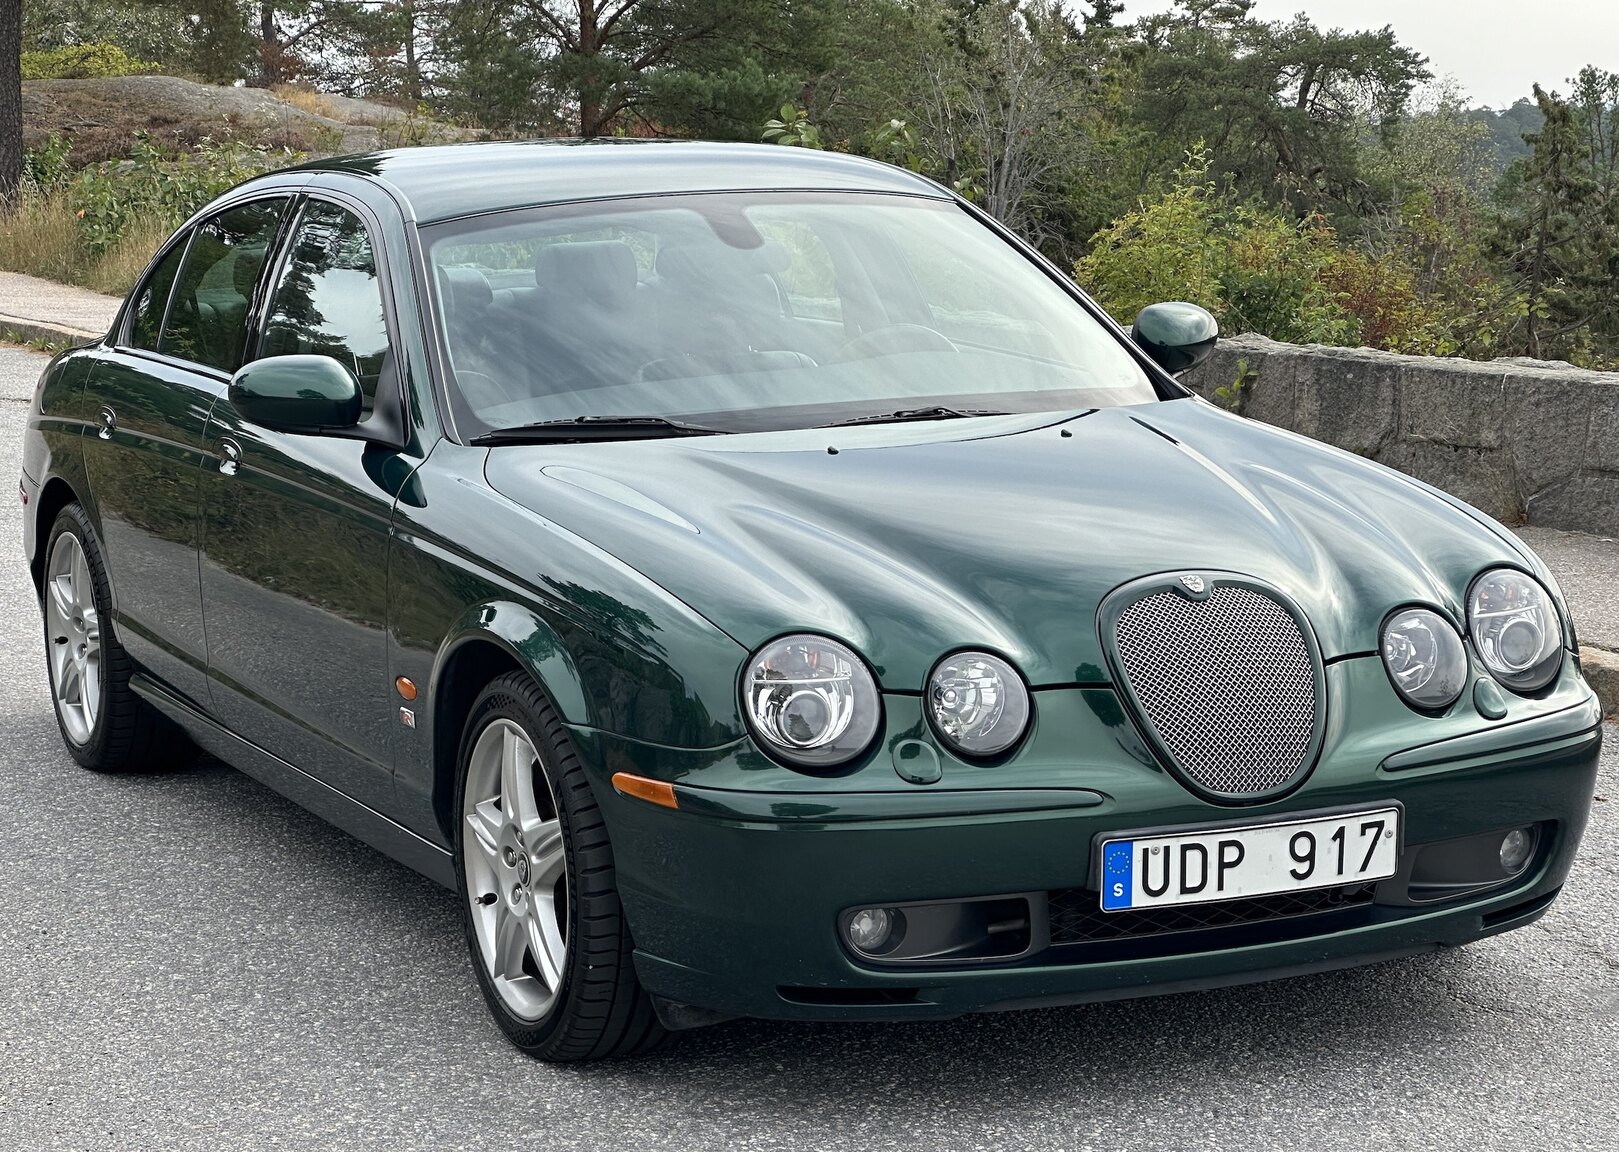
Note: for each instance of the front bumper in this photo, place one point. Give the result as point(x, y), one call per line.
point(734, 900)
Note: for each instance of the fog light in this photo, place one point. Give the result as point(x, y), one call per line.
point(1516, 847)
point(872, 930)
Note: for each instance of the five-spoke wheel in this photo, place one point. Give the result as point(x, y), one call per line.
point(516, 869)
point(106, 726)
point(73, 636)
point(548, 936)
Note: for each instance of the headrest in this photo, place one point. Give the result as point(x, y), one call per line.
point(244, 269)
point(602, 270)
point(466, 289)
point(717, 262)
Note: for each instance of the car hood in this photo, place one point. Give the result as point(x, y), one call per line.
point(910, 540)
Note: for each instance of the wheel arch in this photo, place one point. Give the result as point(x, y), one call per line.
point(491, 640)
point(56, 495)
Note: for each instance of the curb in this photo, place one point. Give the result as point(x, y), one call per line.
point(1601, 670)
point(27, 330)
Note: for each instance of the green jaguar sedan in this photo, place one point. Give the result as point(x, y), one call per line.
point(759, 585)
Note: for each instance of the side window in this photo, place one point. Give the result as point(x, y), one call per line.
point(328, 302)
point(207, 321)
point(152, 298)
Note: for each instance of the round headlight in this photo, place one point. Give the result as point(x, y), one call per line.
point(1516, 629)
point(811, 701)
point(978, 703)
point(1424, 658)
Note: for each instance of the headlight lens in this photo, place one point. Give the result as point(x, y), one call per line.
point(1424, 657)
point(978, 703)
point(811, 701)
point(1516, 629)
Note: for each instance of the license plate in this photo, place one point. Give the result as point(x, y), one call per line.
point(1200, 866)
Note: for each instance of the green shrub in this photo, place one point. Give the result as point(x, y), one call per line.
point(46, 168)
point(149, 186)
point(82, 62)
point(99, 228)
point(1257, 269)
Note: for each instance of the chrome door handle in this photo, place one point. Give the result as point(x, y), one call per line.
point(230, 455)
point(109, 421)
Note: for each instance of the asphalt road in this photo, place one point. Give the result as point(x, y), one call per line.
point(189, 961)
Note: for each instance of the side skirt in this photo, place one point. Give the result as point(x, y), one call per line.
point(391, 839)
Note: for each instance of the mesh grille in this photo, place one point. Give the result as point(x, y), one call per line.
point(1227, 682)
point(1076, 917)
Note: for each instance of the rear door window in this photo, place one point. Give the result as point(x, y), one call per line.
point(208, 316)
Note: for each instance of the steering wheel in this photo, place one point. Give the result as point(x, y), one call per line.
point(894, 340)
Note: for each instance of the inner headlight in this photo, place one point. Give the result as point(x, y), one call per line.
point(811, 701)
point(978, 703)
point(1424, 657)
point(1516, 629)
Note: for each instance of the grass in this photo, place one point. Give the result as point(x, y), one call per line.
point(37, 343)
point(308, 100)
point(41, 237)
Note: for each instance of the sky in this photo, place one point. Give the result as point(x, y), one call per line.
point(1494, 48)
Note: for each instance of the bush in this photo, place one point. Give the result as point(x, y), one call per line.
point(150, 186)
point(1257, 270)
point(100, 228)
point(82, 62)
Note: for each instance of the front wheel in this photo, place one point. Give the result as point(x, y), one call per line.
point(543, 921)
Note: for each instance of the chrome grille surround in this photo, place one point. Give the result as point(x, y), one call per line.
point(1224, 678)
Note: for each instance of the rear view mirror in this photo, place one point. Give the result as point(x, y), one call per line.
point(297, 394)
point(1176, 335)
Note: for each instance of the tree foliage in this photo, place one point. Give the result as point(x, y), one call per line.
point(1304, 182)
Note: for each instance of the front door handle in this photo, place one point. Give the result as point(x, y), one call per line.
point(109, 421)
point(230, 455)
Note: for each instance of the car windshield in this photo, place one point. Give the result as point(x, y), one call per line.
point(754, 311)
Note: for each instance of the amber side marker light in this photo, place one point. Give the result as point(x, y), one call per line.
point(652, 791)
point(406, 688)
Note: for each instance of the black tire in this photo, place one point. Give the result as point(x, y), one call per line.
point(129, 735)
point(600, 1010)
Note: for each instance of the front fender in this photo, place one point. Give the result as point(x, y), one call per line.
point(529, 641)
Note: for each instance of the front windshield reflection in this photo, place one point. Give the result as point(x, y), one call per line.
point(757, 311)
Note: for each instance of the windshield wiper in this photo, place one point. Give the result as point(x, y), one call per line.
point(582, 429)
point(936, 412)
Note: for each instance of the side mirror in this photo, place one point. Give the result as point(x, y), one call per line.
point(297, 394)
point(1177, 336)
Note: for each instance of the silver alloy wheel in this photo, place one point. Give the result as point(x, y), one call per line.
point(516, 869)
point(73, 635)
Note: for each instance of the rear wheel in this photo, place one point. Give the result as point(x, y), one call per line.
point(106, 726)
point(543, 921)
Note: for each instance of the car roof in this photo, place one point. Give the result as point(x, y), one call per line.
point(451, 180)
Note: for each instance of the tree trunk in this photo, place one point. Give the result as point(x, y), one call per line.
point(413, 70)
point(590, 103)
point(10, 99)
point(269, 47)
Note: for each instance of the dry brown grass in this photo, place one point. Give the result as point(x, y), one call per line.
point(116, 270)
point(41, 238)
point(308, 100)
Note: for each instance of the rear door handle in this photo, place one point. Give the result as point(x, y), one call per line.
point(230, 455)
point(109, 421)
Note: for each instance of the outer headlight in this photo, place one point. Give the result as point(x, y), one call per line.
point(1516, 629)
point(811, 701)
point(977, 703)
point(1425, 658)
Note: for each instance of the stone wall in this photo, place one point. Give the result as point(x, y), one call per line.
point(1524, 440)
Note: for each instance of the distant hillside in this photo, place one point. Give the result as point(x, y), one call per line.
point(1507, 128)
point(101, 117)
